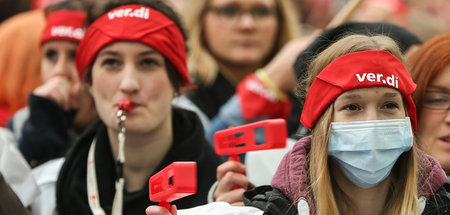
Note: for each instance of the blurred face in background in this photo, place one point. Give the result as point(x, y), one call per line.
point(58, 59)
point(434, 120)
point(241, 32)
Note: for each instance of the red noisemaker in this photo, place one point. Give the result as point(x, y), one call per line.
point(241, 139)
point(176, 181)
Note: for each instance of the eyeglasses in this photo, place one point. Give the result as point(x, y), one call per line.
point(231, 14)
point(437, 100)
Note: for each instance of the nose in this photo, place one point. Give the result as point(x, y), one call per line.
point(61, 67)
point(371, 114)
point(129, 83)
point(246, 21)
point(66, 67)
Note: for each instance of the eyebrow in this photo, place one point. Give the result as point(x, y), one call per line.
point(108, 53)
point(390, 95)
point(356, 96)
point(148, 53)
point(352, 96)
point(439, 88)
point(114, 53)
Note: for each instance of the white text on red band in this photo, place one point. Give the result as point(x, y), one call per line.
point(67, 31)
point(391, 80)
point(143, 13)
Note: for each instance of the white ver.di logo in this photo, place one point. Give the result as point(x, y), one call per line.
point(372, 77)
point(67, 31)
point(143, 13)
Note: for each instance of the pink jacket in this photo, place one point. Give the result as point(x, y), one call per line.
point(292, 175)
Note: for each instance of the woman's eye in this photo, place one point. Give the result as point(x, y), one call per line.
point(149, 63)
point(72, 55)
point(229, 11)
point(51, 55)
point(390, 105)
point(435, 100)
point(260, 12)
point(352, 107)
point(110, 63)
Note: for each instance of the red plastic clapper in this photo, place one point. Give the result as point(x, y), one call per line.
point(241, 139)
point(176, 181)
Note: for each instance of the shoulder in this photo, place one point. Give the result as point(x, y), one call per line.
point(270, 200)
point(439, 202)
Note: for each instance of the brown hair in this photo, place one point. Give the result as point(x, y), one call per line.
point(428, 62)
point(77, 5)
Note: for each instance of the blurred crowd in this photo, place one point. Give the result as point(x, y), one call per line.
point(191, 68)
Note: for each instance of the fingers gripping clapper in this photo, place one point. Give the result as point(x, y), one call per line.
point(241, 139)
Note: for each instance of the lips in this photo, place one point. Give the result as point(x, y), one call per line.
point(445, 139)
point(246, 43)
point(133, 104)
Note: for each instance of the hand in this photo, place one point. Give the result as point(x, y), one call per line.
point(157, 210)
point(230, 174)
point(281, 68)
point(260, 98)
point(60, 90)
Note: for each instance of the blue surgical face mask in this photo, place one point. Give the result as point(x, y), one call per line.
point(366, 151)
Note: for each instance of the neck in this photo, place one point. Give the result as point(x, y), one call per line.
point(144, 152)
point(235, 73)
point(369, 201)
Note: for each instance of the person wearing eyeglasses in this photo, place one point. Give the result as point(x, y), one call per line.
point(229, 40)
point(431, 72)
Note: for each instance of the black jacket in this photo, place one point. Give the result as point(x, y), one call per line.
point(273, 202)
point(46, 132)
point(188, 145)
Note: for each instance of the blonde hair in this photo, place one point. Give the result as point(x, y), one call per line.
point(403, 196)
point(202, 65)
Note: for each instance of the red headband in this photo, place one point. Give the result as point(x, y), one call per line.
point(134, 23)
point(64, 25)
point(358, 70)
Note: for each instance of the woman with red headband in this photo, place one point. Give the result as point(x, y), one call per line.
point(134, 52)
point(361, 157)
point(61, 108)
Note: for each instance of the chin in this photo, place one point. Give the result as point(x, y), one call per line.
point(247, 60)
